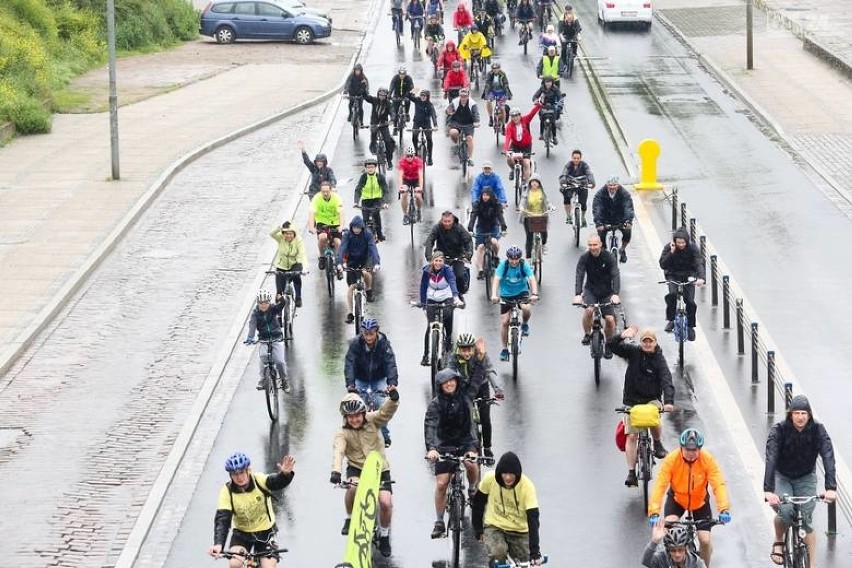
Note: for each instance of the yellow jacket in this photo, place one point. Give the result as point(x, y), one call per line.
point(289, 253)
point(474, 40)
point(689, 481)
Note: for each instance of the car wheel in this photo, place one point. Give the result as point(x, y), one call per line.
point(303, 36)
point(225, 34)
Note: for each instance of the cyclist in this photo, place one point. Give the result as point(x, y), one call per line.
point(448, 56)
point(462, 20)
point(646, 381)
point(380, 117)
point(401, 85)
point(415, 11)
point(475, 44)
point(435, 8)
point(450, 237)
point(355, 439)
point(541, 12)
point(525, 16)
point(791, 452)
point(463, 117)
point(507, 502)
point(686, 475)
point(534, 204)
point(455, 80)
point(575, 168)
point(410, 175)
point(496, 89)
point(681, 260)
point(518, 138)
point(319, 169)
point(613, 205)
point(371, 365)
point(357, 85)
point(549, 39)
point(265, 321)
point(437, 286)
point(291, 257)
point(425, 118)
point(569, 32)
point(602, 279)
point(448, 424)
point(434, 33)
point(396, 13)
point(358, 250)
point(325, 219)
point(495, 10)
point(513, 280)
point(252, 525)
point(676, 553)
point(487, 216)
point(477, 376)
point(371, 192)
point(487, 179)
point(551, 101)
point(484, 22)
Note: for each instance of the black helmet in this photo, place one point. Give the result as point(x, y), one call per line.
point(321, 158)
point(381, 92)
point(676, 537)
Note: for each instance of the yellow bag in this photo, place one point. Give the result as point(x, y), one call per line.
point(645, 416)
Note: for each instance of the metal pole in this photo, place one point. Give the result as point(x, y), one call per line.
point(113, 97)
point(682, 214)
point(726, 302)
point(770, 382)
point(754, 340)
point(788, 395)
point(674, 209)
point(714, 281)
point(692, 229)
point(740, 330)
point(749, 34)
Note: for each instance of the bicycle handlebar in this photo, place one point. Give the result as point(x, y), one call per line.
point(481, 460)
point(800, 499)
point(527, 300)
point(626, 410)
point(690, 280)
point(442, 305)
point(604, 305)
point(421, 129)
point(289, 272)
point(251, 555)
point(489, 400)
point(693, 523)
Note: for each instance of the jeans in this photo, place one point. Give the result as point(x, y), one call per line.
point(277, 357)
point(373, 395)
point(688, 297)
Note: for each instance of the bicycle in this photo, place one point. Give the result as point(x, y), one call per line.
point(435, 49)
point(381, 147)
point(518, 172)
point(400, 120)
point(547, 116)
point(418, 137)
point(537, 225)
point(645, 417)
point(396, 18)
point(525, 35)
point(515, 322)
point(372, 219)
point(477, 65)
point(288, 314)
point(356, 114)
point(416, 30)
point(272, 383)
point(499, 118)
point(795, 550)
point(330, 256)
point(692, 527)
point(438, 346)
point(611, 241)
point(489, 263)
point(460, 148)
point(597, 341)
point(573, 185)
point(374, 506)
point(569, 56)
point(413, 211)
point(545, 15)
point(251, 559)
point(681, 321)
point(359, 298)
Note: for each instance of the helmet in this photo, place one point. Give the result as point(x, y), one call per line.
point(237, 462)
point(425, 92)
point(456, 64)
point(403, 70)
point(474, 28)
point(676, 537)
point(409, 151)
point(514, 253)
point(515, 112)
point(445, 375)
point(551, 47)
point(352, 404)
point(371, 161)
point(369, 324)
point(495, 65)
point(321, 158)
point(381, 92)
point(691, 439)
point(264, 296)
point(465, 340)
point(464, 92)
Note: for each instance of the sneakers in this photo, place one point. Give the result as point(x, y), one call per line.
point(425, 362)
point(504, 355)
point(587, 338)
point(569, 220)
point(584, 224)
point(384, 546)
point(480, 275)
point(491, 122)
point(370, 296)
point(322, 263)
point(429, 162)
point(607, 352)
point(345, 530)
point(690, 334)
point(405, 220)
point(525, 330)
point(660, 451)
point(261, 384)
point(512, 174)
point(631, 480)
point(298, 302)
point(470, 162)
point(350, 318)
point(669, 326)
point(285, 386)
point(439, 530)
point(390, 165)
point(554, 142)
point(487, 452)
point(623, 256)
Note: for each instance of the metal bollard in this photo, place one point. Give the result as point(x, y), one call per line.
point(692, 238)
point(788, 395)
point(754, 340)
point(714, 282)
point(726, 302)
point(740, 330)
point(682, 214)
point(770, 382)
point(832, 519)
point(674, 209)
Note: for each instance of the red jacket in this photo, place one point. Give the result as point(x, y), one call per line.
point(456, 79)
point(526, 136)
point(445, 60)
point(462, 18)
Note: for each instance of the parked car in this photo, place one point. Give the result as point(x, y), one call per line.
point(299, 7)
point(230, 20)
point(611, 11)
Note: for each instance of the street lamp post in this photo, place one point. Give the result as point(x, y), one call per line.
point(113, 96)
point(749, 34)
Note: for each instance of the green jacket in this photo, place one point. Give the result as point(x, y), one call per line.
point(289, 253)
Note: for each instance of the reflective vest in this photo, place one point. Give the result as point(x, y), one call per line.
point(550, 67)
point(371, 189)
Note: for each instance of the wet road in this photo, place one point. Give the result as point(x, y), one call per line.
point(554, 417)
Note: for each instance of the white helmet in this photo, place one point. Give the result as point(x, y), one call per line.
point(264, 296)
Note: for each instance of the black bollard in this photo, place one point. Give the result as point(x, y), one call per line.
point(754, 346)
point(714, 281)
point(726, 302)
point(770, 382)
point(740, 330)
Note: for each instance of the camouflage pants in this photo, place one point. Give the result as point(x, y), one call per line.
point(499, 543)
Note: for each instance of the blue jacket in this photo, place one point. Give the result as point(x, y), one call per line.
point(446, 273)
point(370, 364)
point(355, 249)
point(482, 181)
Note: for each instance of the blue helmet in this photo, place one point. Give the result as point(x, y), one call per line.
point(237, 462)
point(691, 439)
point(369, 324)
point(474, 28)
point(514, 252)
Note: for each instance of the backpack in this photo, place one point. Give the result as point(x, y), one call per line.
point(506, 268)
point(266, 495)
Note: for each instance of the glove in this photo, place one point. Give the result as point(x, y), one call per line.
point(393, 395)
point(335, 478)
point(248, 341)
point(653, 520)
point(725, 517)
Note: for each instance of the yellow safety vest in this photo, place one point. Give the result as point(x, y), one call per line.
point(371, 189)
point(550, 67)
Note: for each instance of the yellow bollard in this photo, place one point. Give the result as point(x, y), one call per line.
point(649, 151)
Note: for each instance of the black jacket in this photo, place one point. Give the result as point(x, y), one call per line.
point(612, 211)
point(552, 96)
point(600, 273)
point(381, 113)
point(424, 112)
point(455, 242)
point(266, 324)
point(357, 86)
point(681, 264)
point(399, 88)
point(370, 364)
point(569, 31)
point(793, 453)
point(448, 423)
point(647, 377)
point(318, 175)
point(487, 215)
point(582, 169)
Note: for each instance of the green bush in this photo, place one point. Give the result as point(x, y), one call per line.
point(34, 13)
point(30, 116)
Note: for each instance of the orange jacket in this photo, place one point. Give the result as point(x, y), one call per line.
point(688, 481)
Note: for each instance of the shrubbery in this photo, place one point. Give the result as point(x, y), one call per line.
point(45, 43)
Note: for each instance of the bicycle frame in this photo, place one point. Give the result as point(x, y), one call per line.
point(359, 298)
point(251, 559)
point(598, 338)
point(681, 320)
point(574, 185)
point(271, 381)
point(795, 549)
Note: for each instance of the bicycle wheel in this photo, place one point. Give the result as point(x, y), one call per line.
point(383, 162)
point(514, 341)
point(537, 260)
point(435, 354)
point(271, 392)
point(455, 518)
point(526, 41)
point(286, 318)
point(463, 156)
point(645, 464)
point(329, 274)
point(358, 311)
point(680, 336)
point(547, 140)
point(570, 67)
point(488, 271)
point(597, 348)
point(356, 125)
point(518, 181)
point(417, 40)
point(412, 215)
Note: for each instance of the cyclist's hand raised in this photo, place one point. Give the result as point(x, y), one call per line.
point(630, 331)
point(287, 464)
point(432, 455)
point(658, 531)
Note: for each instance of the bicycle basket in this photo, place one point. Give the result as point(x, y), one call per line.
point(537, 224)
point(645, 416)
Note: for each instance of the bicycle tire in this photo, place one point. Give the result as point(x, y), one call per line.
point(488, 271)
point(614, 252)
point(356, 125)
point(463, 156)
point(526, 41)
point(381, 159)
point(417, 41)
point(680, 336)
point(286, 315)
point(514, 340)
point(547, 139)
point(570, 66)
point(434, 353)
point(456, 515)
point(645, 461)
point(577, 220)
point(271, 392)
point(518, 181)
point(597, 349)
point(329, 274)
point(412, 215)
point(358, 312)
point(537, 262)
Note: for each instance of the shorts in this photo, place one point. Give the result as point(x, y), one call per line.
point(466, 130)
point(515, 147)
point(805, 485)
point(406, 183)
point(482, 238)
point(495, 95)
point(589, 297)
point(499, 543)
point(352, 471)
point(255, 541)
point(703, 513)
point(352, 277)
point(628, 429)
point(334, 230)
point(442, 466)
point(506, 308)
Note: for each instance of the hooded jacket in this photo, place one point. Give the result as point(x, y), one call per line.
point(476, 374)
point(438, 282)
point(356, 444)
point(318, 175)
point(496, 81)
point(357, 249)
point(681, 264)
point(688, 482)
point(381, 113)
point(614, 210)
point(525, 12)
point(450, 54)
point(647, 377)
point(448, 422)
point(793, 454)
point(357, 85)
point(508, 508)
point(289, 252)
point(484, 180)
point(454, 242)
point(366, 364)
point(487, 216)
